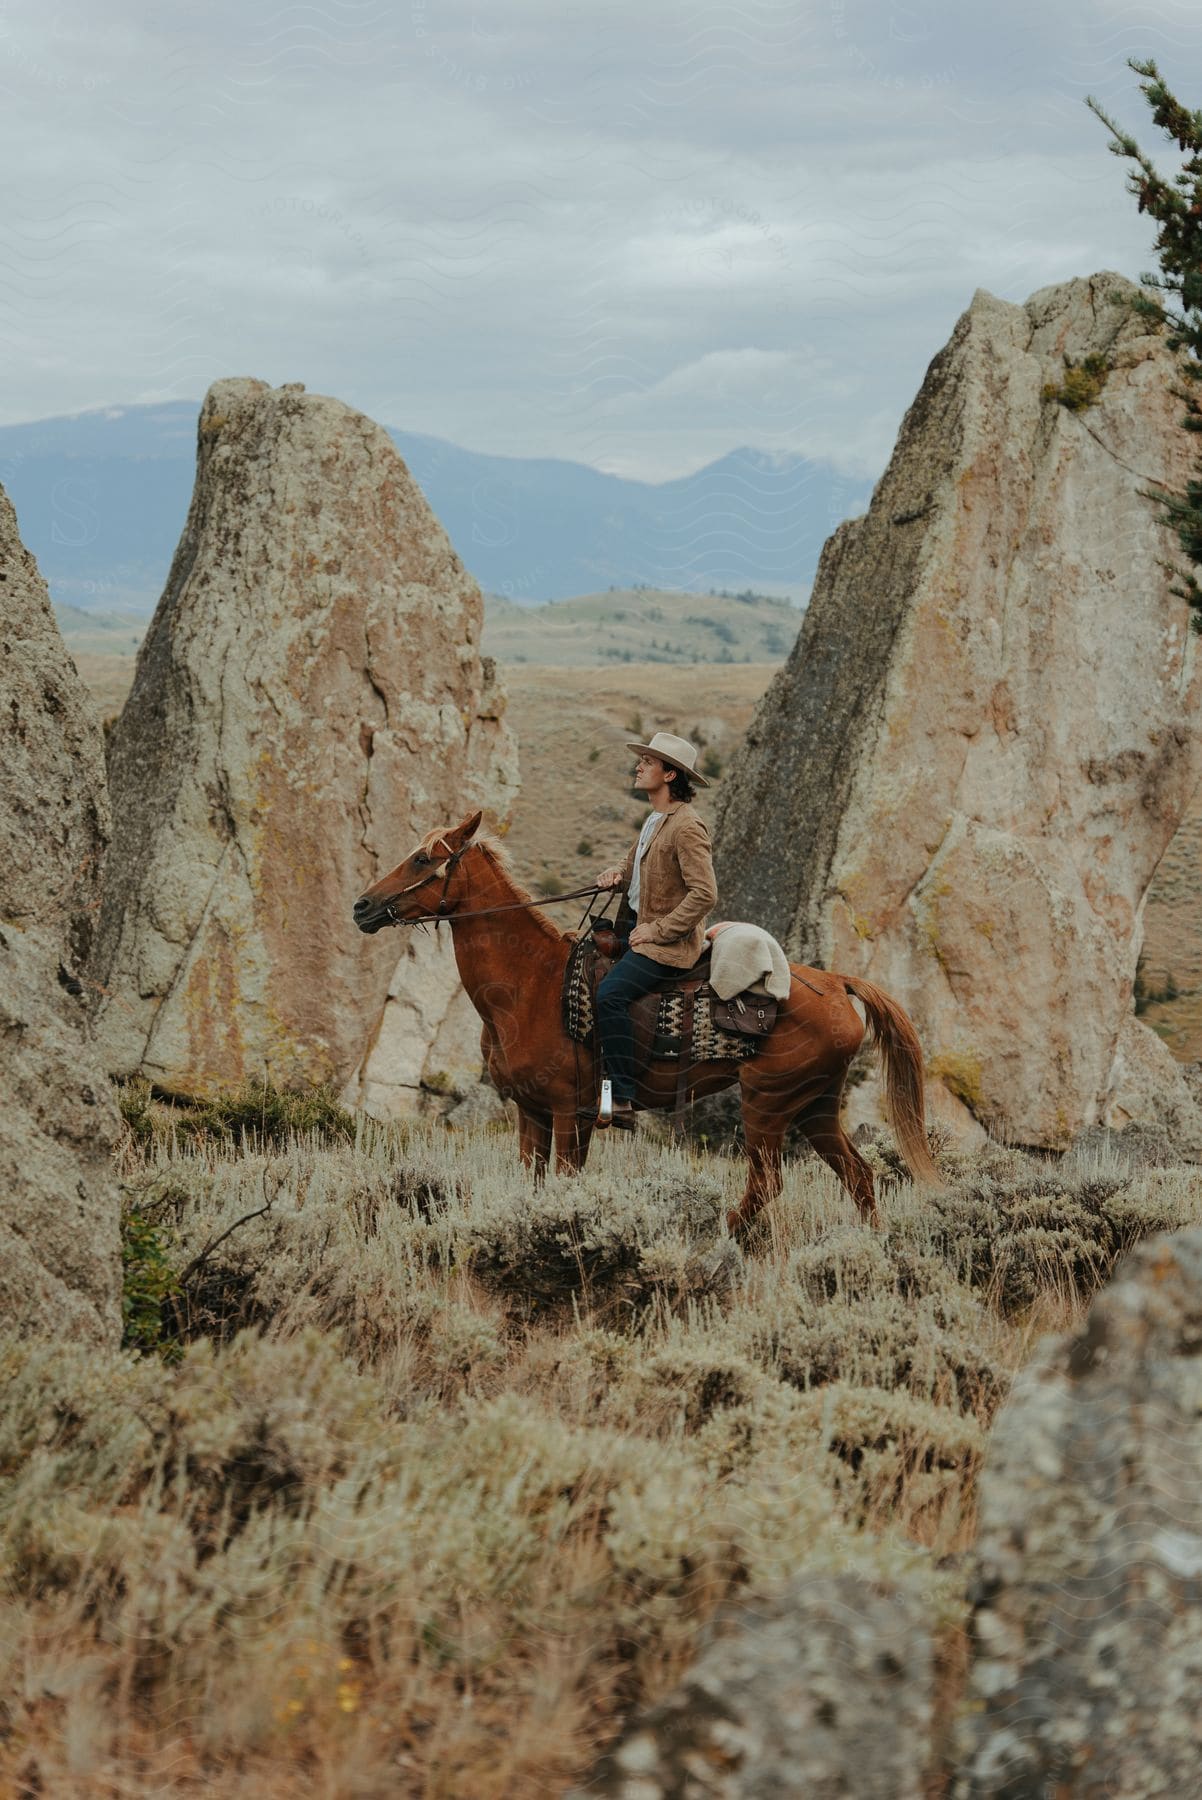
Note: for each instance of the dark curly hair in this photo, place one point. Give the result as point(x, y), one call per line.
point(682, 787)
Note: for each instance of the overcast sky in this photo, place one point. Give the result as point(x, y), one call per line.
point(637, 233)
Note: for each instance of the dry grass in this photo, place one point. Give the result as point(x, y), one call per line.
point(447, 1474)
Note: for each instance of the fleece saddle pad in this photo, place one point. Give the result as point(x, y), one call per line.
point(659, 1017)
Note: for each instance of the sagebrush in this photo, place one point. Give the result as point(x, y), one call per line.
point(415, 1480)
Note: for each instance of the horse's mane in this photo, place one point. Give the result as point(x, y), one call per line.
point(496, 855)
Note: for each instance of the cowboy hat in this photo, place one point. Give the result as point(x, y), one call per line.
point(677, 752)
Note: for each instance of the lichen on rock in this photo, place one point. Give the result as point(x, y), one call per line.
point(827, 1693)
point(1086, 1626)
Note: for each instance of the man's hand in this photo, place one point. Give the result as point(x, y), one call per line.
point(640, 935)
point(609, 878)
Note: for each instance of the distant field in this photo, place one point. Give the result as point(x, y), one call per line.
point(98, 633)
point(644, 625)
point(104, 646)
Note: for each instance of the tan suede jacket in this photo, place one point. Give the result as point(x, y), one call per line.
point(677, 890)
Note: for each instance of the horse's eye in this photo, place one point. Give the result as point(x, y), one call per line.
point(420, 858)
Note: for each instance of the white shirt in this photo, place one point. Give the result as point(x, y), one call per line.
point(645, 836)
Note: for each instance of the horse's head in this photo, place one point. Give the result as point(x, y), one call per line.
point(418, 887)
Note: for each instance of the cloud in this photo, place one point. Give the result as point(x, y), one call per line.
point(640, 237)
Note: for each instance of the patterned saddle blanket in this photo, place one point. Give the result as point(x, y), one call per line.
point(662, 1018)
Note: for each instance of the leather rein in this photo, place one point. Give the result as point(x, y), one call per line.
point(443, 911)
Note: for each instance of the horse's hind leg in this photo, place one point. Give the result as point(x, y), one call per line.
point(823, 1126)
point(534, 1141)
point(765, 1121)
point(767, 1117)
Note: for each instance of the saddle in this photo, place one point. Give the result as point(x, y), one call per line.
point(682, 1018)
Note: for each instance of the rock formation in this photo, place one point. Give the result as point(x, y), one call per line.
point(1087, 1622)
point(309, 700)
point(962, 780)
point(427, 1047)
point(828, 1694)
point(60, 1259)
point(1172, 948)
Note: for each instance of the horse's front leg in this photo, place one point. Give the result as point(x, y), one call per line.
point(763, 1176)
point(573, 1134)
point(534, 1140)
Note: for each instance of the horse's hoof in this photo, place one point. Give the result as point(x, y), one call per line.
point(743, 1226)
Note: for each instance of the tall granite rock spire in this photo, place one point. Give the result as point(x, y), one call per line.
point(309, 700)
point(60, 1256)
point(962, 780)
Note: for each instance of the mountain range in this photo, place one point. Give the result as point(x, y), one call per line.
point(101, 498)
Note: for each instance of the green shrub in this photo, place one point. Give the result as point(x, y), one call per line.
point(135, 1106)
point(148, 1278)
point(254, 1114)
point(1082, 385)
point(615, 1249)
point(274, 1116)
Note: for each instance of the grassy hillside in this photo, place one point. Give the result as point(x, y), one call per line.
point(104, 646)
point(643, 625)
point(415, 1481)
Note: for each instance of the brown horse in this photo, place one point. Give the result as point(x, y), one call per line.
point(512, 961)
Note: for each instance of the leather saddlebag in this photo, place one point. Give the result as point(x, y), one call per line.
point(753, 1015)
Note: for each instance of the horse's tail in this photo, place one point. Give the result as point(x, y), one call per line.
point(898, 1043)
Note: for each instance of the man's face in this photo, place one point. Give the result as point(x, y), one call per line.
point(648, 773)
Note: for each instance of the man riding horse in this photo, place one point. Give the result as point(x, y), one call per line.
point(514, 964)
point(668, 876)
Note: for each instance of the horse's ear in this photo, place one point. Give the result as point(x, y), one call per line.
point(466, 830)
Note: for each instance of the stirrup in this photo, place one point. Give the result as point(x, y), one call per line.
point(605, 1116)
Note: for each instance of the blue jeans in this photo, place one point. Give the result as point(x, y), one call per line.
point(631, 976)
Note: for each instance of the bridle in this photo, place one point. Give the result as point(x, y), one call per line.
point(446, 870)
point(443, 911)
